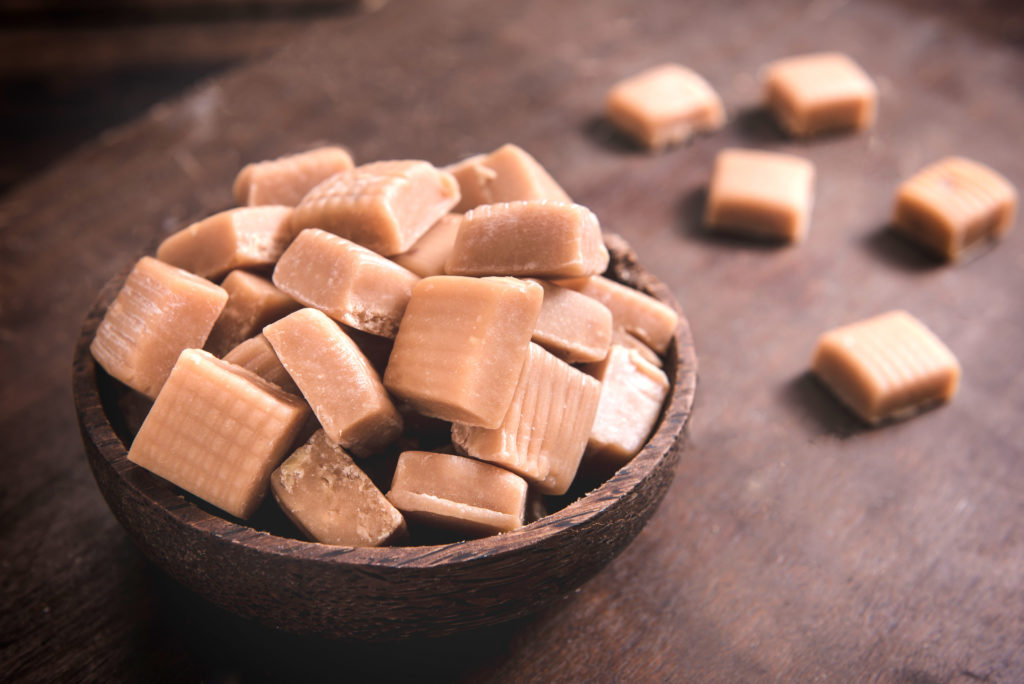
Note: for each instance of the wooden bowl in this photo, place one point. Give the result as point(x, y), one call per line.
point(381, 593)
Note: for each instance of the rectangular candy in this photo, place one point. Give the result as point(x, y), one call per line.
point(572, 326)
point(428, 256)
point(508, 174)
point(255, 354)
point(634, 311)
point(814, 93)
point(286, 180)
point(253, 302)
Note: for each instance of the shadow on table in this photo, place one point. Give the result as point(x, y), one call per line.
point(885, 244)
point(806, 396)
point(690, 213)
point(599, 130)
point(756, 126)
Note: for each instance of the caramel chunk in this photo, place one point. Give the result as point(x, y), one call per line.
point(462, 345)
point(236, 238)
point(624, 338)
point(286, 180)
point(572, 326)
point(217, 430)
point(255, 354)
point(339, 383)
point(632, 394)
point(888, 366)
point(348, 282)
point(427, 257)
point(328, 497)
point(508, 174)
point(815, 93)
point(632, 310)
point(253, 302)
point(534, 238)
point(545, 429)
point(159, 311)
point(664, 105)
point(953, 205)
point(385, 206)
point(458, 493)
point(761, 194)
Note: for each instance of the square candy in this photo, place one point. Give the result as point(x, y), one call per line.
point(820, 92)
point(286, 180)
point(508, 174)
point(253, 302)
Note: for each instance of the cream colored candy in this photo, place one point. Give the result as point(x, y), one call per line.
point(508, 174)
point(385, 206)
point(337, 380)
point(953, 205)
point(253, 302)
point(624, 338)
point(286, 180)
point(634, 311)
point(664, 105)
point(761, 194)
point(887, 366)
point(348, 282)
point(825, 91)
point(462, 345)
point(159, 311)
point(545, 429)
point(255, 354)
point(531, 238)
point(236, 238)
point(572, 326)
point(427, 257)
point(217, 431)
point(458, 493)
point(329, 498)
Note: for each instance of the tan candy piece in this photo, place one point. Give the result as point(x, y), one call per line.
point(545, 430)
point(462, 345)
point(572, 326)
point(159, 311)
point(346, 281)
point(639, 314)
point(508, 174)
point(428, 256)
point(531, 238)
point(766, 195)
point(236, 238)
point(217, 430)
point(329, 498)
point(887, 366)
point(385, 206)
point(624, 338)
point(255, 354)
point(458, 493)
point(664, 105)
point(253, 302)
point(286, 180)
point(825, 91)
point(337, 380)
point(953, 205)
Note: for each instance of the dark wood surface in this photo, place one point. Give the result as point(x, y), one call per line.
point(794, 544)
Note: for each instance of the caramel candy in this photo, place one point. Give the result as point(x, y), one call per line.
point(761, 194)
point(255, 354)
point(217, 430)
point(286, 180)
point(328, 497)
point(508, 174)
point(385, 206)
point(545, 429)
point(348, 282)
point(458, 493)
point(573, 326)
point(462, 345)
point(888, 366)
point(427, 257)
point(632, 394)
point(819, 92)
point(253, 302)
point(624, 338)
point(953, 205)
point(339, 383)
point(159, 311)
point(236, 238)
point(534, 238)
point(637, 313)
point(664, 105)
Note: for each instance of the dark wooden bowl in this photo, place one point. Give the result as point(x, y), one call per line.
point(386, 593)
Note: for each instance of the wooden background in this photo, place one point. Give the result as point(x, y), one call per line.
point(793, 545)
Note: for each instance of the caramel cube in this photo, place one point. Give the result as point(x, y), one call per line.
point(888, 366)
point(545, 430)
point(761, 194)
point(385, 206)
point(346, 281)
point(217, 431)
point(530, 238)
point(329, 498)
point(337, 380)
point(253, 302)
point(953, 205)
point(286, 180)
point(458, 493)
point(664, 105)
point(427, 257)
point(572, 326)
point(462, 345)
point(236, 238)
point(508, 174)
point(624, 338)
point(827, 91)
point(632, 310)
point(159, 311)
point(255, 354)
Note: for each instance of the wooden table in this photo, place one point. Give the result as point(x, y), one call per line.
point(794, 543)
